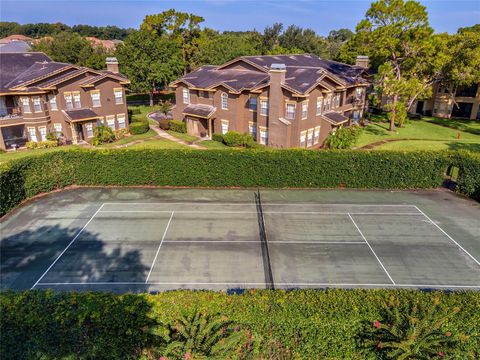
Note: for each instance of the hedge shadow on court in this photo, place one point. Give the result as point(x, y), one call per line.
point(25, 256)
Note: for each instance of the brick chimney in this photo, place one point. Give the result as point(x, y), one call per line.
point(362, 61)
point(277, 131)
point(112, 64)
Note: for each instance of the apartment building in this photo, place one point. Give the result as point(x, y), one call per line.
point(40, 96)
point(283, 101)
point(464, 104)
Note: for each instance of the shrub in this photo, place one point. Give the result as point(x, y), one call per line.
point(102, 135)
point(139, 127)
point(164, 124)
point(178, 126)
point(344, 138)
point(235, 139)
point(41, 144)
point(53, 136)
point(217, 137)
point(298, 324)
point(134, 111)
point(119, 134)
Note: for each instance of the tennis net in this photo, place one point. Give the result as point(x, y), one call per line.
point(267, 266)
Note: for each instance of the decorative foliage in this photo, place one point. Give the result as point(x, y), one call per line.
point(178, 126)
point(41, 144)
point(102, 135)
point(233, 138)
point(344, 138)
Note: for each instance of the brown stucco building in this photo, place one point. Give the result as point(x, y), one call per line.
point(283, 101)
point(40, 96)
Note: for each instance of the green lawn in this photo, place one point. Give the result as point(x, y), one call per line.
point(33, 152)
point(434, 136)
point(211, 144)
point(183, 136)
point(471, 126)
point(158, 143)
point(128, 139)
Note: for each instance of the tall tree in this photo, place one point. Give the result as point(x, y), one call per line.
point(183, 28)
point(270, 37)
point(149, 61)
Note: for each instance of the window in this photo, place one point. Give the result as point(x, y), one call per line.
point(263, 135)
point(290, 111)
point(319, 105)
point(224, 98)
point(76, 100)
point(204, 94)
point(43, 133)
point(252, 103)
point(121, 121)
point(111, 122)
point(89, 128)
point(327, 103)
point(68, 100)
point(224, 126)
point(359, 92)
point(303, 139)
point(252, 129)
point(356, 116)
point(53, 102)
point(37, 106)
point(95, 95)
point(310, 137)
point(26, 104)
point(33, 134)
point(304, 110)
point(336, 100)
point(264, 107)
point(316, 135)
point(186, 96)
point(58, 130)
point(118, 96)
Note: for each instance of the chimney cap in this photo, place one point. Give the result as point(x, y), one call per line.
point(362, 57)
point(278, 67)
point(112, 60)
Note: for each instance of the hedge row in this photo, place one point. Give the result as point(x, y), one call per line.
point(300, 324)
point(26, 177)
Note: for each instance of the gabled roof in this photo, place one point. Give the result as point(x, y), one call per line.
point(200, 110)
point(15, 37)
point(12, 64)
point(80, 114)
point(335, 118)
point(38, 71)
point(17, 46)
point(303, 74)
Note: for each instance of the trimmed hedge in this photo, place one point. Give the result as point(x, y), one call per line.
point(26, 177)
point(300, 324)
point(177, 126)
point(139, 127)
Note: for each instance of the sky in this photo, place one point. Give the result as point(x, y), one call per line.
point(319, 15)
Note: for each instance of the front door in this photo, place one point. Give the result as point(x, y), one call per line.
point(419, 109)
point(192, 127)
point(79, 130)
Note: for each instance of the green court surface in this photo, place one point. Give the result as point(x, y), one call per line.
point(160, 239)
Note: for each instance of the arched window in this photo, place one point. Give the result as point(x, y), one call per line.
point(224, 101)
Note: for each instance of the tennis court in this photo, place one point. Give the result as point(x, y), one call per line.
point(114, 240)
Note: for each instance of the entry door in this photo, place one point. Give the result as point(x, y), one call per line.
point(79, 129)
point(192, 127)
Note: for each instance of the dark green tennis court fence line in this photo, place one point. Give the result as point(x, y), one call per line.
point(23, 178)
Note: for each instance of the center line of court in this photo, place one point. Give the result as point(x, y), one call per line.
point(364, 238)
point(159, 246)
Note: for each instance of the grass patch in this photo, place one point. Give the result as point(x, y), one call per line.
point(11, 155)
point(183, 136)
point(416, 145)
point(212, 144)
point(128, 139)
point(471, 126)
point(158, 143)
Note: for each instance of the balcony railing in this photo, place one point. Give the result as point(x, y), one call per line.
point(10, 113)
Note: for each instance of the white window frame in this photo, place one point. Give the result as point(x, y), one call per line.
point(290, 115)
point(77, 101)
point(110, 119)
point(53, 102)
point(32, 132)
point(186, 96)
point(118, 99)
point(224, 101)
point(310, 137)
point(37, 104)
point(336, 100)
point(43, 133)
point(93, 95)
point(252, 129)
point(121, 120)
point(58, 130)
point(327, 103)
point(26, 105)
point(89, 129)
point(304, 110)
point(68, 100)
point(225, 124)
point(318, 110)
point(253, 100)
point(263, 135)
point(303, 139)
point(264, 107)
point(316, 135)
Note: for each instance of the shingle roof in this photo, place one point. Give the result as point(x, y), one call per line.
point(37, 70)
point(201, 110)
point(17, 46)
point(12, 64)
point(303, 72)
point(81, 114)
point(335, 118)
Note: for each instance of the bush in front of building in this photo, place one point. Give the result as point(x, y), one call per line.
point(177, 126)
point(121, 133)
point(217, 137)
point(344, 138)
point(102, 135)
point(235, 139)
point(139, 127)
point(298, 324)
point(41, 144)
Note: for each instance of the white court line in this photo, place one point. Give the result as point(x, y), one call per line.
point(262, 284)
point(249, 203)
point(443, 231)
point(270, 242)
point(364, 238)
point(254, 212)
point(71, 242)
point(159, 246)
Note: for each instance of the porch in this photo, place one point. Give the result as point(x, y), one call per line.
point(82, 122)
point(199, 120)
